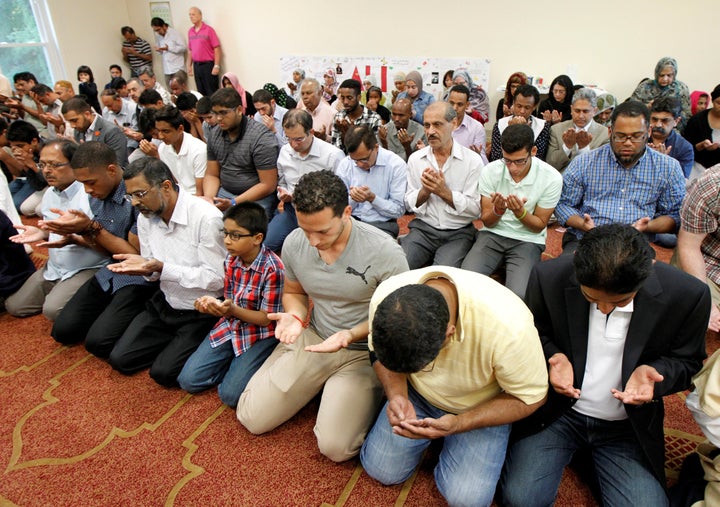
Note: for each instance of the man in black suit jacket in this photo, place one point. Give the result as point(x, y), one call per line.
point(619, 332)
point(90, 126)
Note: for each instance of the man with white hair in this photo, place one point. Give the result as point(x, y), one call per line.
point(204, 54)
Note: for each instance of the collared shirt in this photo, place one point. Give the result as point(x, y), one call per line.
point(66, 261)
point(387, 179)
point(369, 118)
point(541, 187)
point(167, 98)
point(202, 42)
point(414, 129)
point(119, 218)
point(700, 214)
point(323, 117)
point(461, 172)
point(291, 165)
point(596, 184)
point(191, 248)
point(606, 343)
point(471, 133)
point(255, 149)
point(141, 46)
point(495, 347)
point(277, 121)
point(420, 103)
point(540, 128)
point(257, 287)
point(173, 59)
point(89, 134)
point(126, 117)
point(188, 164)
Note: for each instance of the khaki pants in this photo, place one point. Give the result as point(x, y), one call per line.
point(291, 377)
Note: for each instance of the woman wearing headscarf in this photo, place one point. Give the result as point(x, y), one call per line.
point(479, 102)
point(556, 107)
point(699, 101)
point(399, 81)
point(230, 80)
point(414, 91)
point(282, 99)
point(665, 84)
point(606, 104)
point(294, 86)
point(330, 87)
point(504, 106)
point(703, 132)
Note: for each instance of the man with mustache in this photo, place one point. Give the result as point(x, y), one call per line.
point(72, 261)
point(182, 247)
point(442, 191)
point(622, 182)
point(665, 114)
point(402, 134)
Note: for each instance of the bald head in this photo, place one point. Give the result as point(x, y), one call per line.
point(401, 113)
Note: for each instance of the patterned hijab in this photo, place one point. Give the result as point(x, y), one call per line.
point(278, 94)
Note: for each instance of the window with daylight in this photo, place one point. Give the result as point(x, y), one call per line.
point(27, 41)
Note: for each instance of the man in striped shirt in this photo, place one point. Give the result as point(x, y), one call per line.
point(136, 51)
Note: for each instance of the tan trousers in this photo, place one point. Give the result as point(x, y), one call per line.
point(291, 377)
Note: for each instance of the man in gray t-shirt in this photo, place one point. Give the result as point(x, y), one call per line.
point(338, 262)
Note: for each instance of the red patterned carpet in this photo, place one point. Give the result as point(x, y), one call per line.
point(75, 433)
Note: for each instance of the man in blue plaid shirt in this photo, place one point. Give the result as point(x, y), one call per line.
point(622, 182)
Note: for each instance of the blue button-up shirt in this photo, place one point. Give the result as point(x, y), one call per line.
point(596, 184)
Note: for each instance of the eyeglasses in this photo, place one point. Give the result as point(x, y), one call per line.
point(234, 235)
point(636, 138)
point(51, 165)
point(139, 195)
point(297, 139)
point(365, 160)
point(222, 113)
point(518, 163)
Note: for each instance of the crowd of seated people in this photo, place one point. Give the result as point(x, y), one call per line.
point(188, 233)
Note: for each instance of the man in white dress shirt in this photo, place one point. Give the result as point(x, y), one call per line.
point(171, 46)
point(442, 191)
point(180, 245)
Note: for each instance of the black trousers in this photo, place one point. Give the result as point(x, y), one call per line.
point(99, 317)
point(206, 83)
point(161, 338)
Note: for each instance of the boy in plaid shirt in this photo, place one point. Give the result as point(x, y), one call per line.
point(243, 337)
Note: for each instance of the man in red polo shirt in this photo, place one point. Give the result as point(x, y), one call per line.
point(204, 54)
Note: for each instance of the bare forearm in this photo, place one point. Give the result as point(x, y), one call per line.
point(256, 317)
point(295, 303)
point(502, 409)
point(394, 384)
point(661, 224)
point(256, 192)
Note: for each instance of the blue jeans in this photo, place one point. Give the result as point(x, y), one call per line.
point(219, 366)
point(280, 226)
point(20, 190)
point(469, 466)
point(535, 464)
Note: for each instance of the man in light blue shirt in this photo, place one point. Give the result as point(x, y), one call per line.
point(376, 179)
point(518, 194)
point(71, 260)
point(269, 114)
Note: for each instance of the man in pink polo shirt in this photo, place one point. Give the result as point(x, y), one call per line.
point(204, 54)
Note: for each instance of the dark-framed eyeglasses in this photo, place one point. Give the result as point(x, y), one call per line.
point(234, 235)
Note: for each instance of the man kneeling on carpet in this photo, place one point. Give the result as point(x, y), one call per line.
point(619, 332)
point(180, 245)
point(459, 358)
point(244, 337)
point(338, 262)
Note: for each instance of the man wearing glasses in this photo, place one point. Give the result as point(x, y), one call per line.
point(241, 157)
point(181, 247)
point(303, 153)
point(70, 263)
point(518, 193)
point(622, 182)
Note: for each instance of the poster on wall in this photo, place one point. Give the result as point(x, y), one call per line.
point(161, 10)
point(384, 69)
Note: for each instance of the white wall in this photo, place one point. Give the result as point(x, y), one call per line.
point(612, 43)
